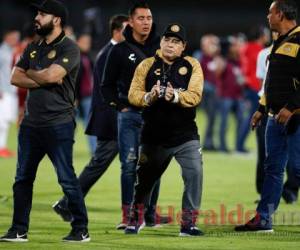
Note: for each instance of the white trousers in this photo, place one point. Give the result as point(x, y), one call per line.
point(8, 114)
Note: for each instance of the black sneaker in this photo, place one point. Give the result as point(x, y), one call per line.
point(192, 230)
point(14, 235)
point(62, 211)
point(254, 225)
point(77, 235)
point(134, 228)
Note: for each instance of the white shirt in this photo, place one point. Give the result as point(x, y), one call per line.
point(114, 42)
point(6, 59)
point(262, 67)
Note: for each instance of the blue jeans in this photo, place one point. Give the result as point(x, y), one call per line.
point(226, 106)
point(252, 99)
point(209, 104)
point(84, 107)
point(129, 130)
point(280, 148)
point(34, 143)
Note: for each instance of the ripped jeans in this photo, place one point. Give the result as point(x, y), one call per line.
point(129, 130)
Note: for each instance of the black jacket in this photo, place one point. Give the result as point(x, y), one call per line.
point(103, 118)
point(282, 86)
point(166, 123)
point(121, 64)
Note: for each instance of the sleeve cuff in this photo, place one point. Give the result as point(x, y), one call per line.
point(175, 97)
point(147, 99)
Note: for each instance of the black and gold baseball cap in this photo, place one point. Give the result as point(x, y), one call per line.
point(53, 7)
point(175, 29)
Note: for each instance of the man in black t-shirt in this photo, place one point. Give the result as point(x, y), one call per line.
point(48, 68)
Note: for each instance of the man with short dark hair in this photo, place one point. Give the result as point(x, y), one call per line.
point(169, 87)
point(48, 68)
point(141, 41)
point(281, 102)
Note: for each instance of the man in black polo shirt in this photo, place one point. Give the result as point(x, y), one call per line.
point(48, 69)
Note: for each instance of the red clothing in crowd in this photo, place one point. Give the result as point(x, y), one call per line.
point(86, 80)
point(208, 67)
point(230, 85)
point(249, 55)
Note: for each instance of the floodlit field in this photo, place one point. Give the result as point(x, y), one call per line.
point(228, 198)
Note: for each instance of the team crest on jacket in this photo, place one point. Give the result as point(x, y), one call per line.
point(157, 72)
point(175, 28)
point(132, 57)
point(287, 48)
point(51, 54)
point(32, 54)
point(183, 71)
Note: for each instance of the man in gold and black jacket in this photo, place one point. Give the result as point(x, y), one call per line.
point(282, 102)
point(169, 87)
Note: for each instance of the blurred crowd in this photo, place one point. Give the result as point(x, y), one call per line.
point(231, 86)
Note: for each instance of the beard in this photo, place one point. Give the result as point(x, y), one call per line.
point(45, 29)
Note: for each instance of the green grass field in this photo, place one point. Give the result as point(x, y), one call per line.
point(228, 183)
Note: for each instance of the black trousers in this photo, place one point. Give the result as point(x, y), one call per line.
point(291, 186)
point(261, 152)
point(105, 153)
